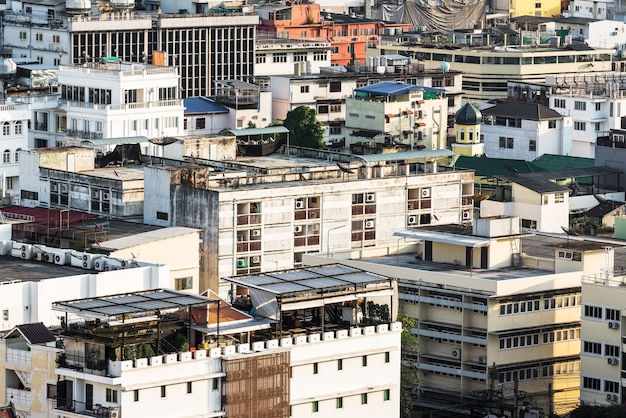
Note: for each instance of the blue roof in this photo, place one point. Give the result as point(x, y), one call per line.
point(387, 88)
point(202, 105)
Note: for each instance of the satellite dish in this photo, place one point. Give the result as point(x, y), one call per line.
point(445, 67)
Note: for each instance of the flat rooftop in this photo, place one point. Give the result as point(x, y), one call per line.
point(13, 268)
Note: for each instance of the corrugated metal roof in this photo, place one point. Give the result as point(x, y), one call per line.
point(553, 162)
point(424, 154)
point(36, 333)
point(259, 131)
point(132, 303)
point(310, 280)
point(488, 167)
point(542, 182)
point(146, 237)
point(116, 141)
point(387, 88)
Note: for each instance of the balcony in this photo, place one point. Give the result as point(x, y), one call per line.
point(78, 409)
point(84, 134)
point(41, 126)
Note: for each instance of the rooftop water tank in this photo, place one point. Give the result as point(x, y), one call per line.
point(77, 6)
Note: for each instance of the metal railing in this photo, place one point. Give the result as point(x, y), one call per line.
point(89, 410)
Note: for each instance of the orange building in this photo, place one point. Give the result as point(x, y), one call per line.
point(349, 35)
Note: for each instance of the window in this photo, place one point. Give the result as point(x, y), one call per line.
point(559, 197)
point(340, 364)
point(598, 106)
point(5, 315)
point(334, 130)
point(506, 142)
point(18, 128)
point(591, 383)
point(111, 395)
point(6, 157)
point(315, 406)
point(163, 391)
point(580, 126)
point(261, 58)
point(51, 391)
point(200, 123)
point(597, 126)
point(319, 56)
point(363, 398)
point(509, 143)
point(386, 395)
point(611, 350)
point(611, 387)
point(183, 283)
point(279, 57)
point(612, 314)
point(537, 5)
point(136, 395)
point(334, 86)
point(39, 37)
point(22, 35)
point(304, 89)
point(315, 368)
point(134, 124)
point(532, 145)
point(336, 108)
point(215, 384)
point(189, 387)
point(593, 311)
point(299, 56)
point(578, 105)
point(56, 39)
point(17, 155)
point(339, 403)
point(364, 361)
point(6, 129)
point(552, 124)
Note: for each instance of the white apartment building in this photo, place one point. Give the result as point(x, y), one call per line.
point(602, 352)
point(113, 99)
point(278, 56)
point(602, 9)
point(595, 104)
point(204, 48)
point(525, 131)
point(240, 367)
point(493, 313)
point(595, 31)
point(14, 121)
point(398, 114)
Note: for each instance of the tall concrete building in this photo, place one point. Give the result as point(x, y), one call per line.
point(204, 47)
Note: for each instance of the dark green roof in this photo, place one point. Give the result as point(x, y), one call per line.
point(487, 167)
point(468, 114)
point(552, 162)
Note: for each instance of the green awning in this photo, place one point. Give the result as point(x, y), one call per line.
point(259, 131)
point(115, 141)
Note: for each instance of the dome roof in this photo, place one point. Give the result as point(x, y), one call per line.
point(468, 115)
point(72, 5)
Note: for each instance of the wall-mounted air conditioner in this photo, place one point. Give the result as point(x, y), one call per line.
point(256, 233)
point(456, 353)
point(614, 325)
point(370, 197)
point(412, 220)
point(297, 229)
point(612, 360)
point(369, 224)
point(425, 193)
point(299, 204)
point(467, 215)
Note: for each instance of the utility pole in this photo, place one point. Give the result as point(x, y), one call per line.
point(515, 413)
point(550, 399)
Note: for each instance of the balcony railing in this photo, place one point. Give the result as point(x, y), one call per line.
point(84, 134)
point(89, 410)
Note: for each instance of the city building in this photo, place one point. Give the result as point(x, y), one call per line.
point(214, 45)
point(319, 201)
point(397, 114)
point(497, 312)
point(467, 138)
point(194, 355)
point(277, 56)
point(15, 120)
point(487, 69)
point(526, 131)
point(548, 8)
point(327, 92)
point(349, 35)
point(611, 152)
point(602, 337)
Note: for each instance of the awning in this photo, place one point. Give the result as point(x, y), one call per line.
point(408, 112)
point(407, 132)
point(389, 115)
point(421, 124)
point(421, 102)
point(364, 133)
point(444, 237)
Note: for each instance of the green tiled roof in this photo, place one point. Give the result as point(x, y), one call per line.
point(552, 162)
point(487, 167)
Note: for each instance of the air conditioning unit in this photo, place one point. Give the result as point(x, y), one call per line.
point(256, 259)
point(23, 251)
point(114, 414)
point(48, 257)
point(111, 267)
point(105, 196)
point(64, 188)
point(611, 397)
point(369, 224)
point(612, 360)
point(95, 194)
point(61, 258)
point(256, 233)
point(482, 359)
point(412, 220)
point(242, 263)
point(297, 229)
point(614, 325)
point(456, 353)
point(467, 215)
point(299, 204)
point(425, 193)
point(99, 264)
point(54, 187)
point(38, 255)
point(370, 197)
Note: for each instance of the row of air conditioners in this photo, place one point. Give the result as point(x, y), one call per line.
point(20, 250)
point(103, 263)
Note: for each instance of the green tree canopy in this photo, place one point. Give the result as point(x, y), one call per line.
point(305, 130)
point(409, 376)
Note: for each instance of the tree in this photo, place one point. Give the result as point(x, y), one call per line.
point(304, 128)
point(409, 376)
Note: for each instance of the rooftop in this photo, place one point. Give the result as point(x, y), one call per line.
point(527, 111)
point(201, 105)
